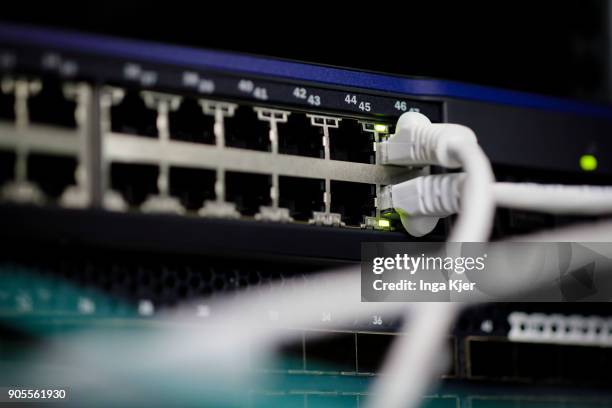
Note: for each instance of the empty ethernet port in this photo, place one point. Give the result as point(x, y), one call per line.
point(540, 362)
point(52, 174)
point(7, 166)
point(330, 353)
point(372, 348)
point(189, 123)
point(297, 136)
point(132, 116)
point(353, 201)
point(349, 142)
point(135, 182)
point(50, 106)
point(246, 131)
point(301, 196)
point(371, 351)
point(248, 191)
point(7, 106)
point(491, 359)
point(192, 186)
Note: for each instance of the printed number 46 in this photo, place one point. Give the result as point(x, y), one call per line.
point(401, 106)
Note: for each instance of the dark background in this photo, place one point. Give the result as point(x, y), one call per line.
point(552, 47)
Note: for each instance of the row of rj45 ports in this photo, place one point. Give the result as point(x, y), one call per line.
point(249, 192)
point(298, 135)
point(244, 126)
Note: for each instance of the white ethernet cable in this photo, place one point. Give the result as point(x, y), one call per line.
point(419, 142)
point(422, 201)
point(554, 198)
point(411, 362)
point(430, 198)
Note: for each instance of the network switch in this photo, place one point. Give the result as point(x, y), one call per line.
point(206, 154)
point(176, 118)
point(179, 176)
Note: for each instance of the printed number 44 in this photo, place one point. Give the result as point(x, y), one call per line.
point(350, 99)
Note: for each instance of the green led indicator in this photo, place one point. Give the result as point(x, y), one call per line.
point(380, 128)
point(382, 223)
point(588, 162)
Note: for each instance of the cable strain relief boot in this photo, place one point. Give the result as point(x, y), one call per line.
point(418, 142)
point(422, 201)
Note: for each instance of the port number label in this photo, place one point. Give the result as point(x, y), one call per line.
point(314, 100)
point(402, 106)
point(300, 93)
point(260, 93)
point(365, 106)
point(352, 100)
point(246, 86)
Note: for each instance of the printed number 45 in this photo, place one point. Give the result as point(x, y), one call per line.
point(352, 100)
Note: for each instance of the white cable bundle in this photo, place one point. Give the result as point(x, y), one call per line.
point(417, 141)
point(422, 201)
point(554, 198)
